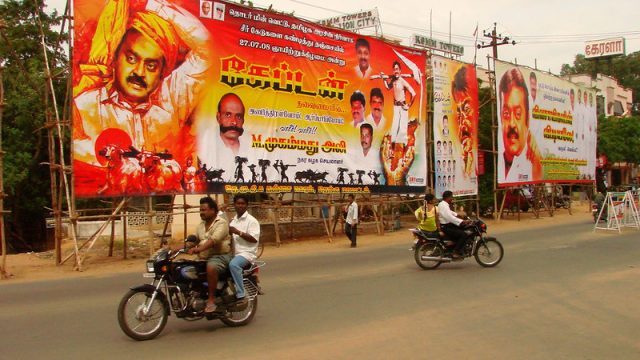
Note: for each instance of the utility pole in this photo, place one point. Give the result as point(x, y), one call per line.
point(496, 40)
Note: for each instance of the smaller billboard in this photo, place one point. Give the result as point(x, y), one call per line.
point(429, 43)
point(360, 20)
point(603, 48)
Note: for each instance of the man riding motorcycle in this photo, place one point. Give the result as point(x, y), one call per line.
point(212, 235)
point(452, 224)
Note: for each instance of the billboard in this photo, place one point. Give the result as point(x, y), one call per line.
point(209, 96)
point(429, 43)
point(455, 126)
point(547, 128)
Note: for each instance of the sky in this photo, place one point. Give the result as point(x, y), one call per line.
point(547, 33)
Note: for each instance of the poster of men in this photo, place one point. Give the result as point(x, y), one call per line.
point(455, 126)
point(175, 96)
point(547, 128)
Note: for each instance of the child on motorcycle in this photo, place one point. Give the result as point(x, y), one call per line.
point(427, 216)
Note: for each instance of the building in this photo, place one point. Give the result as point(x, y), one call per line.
point(613, 99)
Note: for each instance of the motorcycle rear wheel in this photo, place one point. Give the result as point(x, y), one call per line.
point(428, 249)
point(489, 253)
point(134, 322)
point(241, 318)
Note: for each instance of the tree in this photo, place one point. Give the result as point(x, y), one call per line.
point(27, 182)
point(619, 139)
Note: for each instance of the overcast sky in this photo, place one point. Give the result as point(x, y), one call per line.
point(549, 32)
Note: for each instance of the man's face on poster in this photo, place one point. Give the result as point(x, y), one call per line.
point(572, 98)
point(533, 87)
point(357, 111)
point(219, 12)
point(365, 138)
point(362, 54)
point(206, 8)
point(377, 104)
point(231, 118)
point(138, 67)
point(396, 70)
point(514, 122)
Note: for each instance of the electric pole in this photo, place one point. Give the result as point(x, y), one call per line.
point(496, 40)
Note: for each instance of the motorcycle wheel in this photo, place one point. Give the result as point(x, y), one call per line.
point(489, 253)
point(428, 249)
point(134, 322)
point(241, 318)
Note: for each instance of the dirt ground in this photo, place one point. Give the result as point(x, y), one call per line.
point(41, 266)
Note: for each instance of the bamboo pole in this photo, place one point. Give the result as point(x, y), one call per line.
point(275, 221)
point(166, 223)
point(125, 242)
point(4, 274)
point(324, 218)
point(494, 127)
point(293, 202)
point(150, 215)
point(185, 207)
point(95, 237)
point(112, 238)
point(60, 136)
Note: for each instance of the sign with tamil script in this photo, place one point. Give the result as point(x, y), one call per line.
point(605, 47)
point(357, 21)
point(429, 43)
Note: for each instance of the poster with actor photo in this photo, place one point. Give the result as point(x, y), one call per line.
point(455, 126)
point(547, 128)
point(175, 96)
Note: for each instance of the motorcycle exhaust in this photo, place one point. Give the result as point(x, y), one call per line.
point(436, 258)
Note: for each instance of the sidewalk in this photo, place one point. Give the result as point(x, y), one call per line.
point(40, 266)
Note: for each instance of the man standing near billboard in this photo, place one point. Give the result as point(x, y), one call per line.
point(520, 159)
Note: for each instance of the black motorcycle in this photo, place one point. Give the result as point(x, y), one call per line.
point(431, 250)
point(181, 286)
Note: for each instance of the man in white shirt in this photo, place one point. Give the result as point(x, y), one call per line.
point(351, 220)
point(376, 103)
point(245, 231)
point(363, 50)
point(451, 224)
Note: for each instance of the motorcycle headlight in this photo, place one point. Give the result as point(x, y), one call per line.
point(150, 266)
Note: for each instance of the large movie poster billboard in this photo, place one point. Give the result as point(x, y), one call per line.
point(547, 128)
point(455, 126)
point(209, 96)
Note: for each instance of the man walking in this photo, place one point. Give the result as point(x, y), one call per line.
point(351, 220)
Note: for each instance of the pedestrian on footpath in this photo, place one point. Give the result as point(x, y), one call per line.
point(351, 220)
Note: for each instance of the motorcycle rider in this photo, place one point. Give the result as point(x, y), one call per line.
point(452, 224)
point(212, 235)
point(245, 230)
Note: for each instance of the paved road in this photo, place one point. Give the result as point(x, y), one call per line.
point(560, 293)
